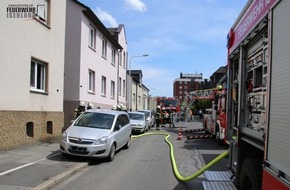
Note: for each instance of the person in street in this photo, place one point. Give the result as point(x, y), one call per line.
point(187, 114)
point(80, 109)
point(123, 108)
point(200, 114)
point(114, 107)
point(158, 117)
point(173, 117)
point(90, 106)
point(164, 116)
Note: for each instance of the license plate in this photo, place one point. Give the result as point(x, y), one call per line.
point(79, 149)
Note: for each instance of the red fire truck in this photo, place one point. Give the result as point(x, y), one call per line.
point(258, 101)
point(171, 104)
point(214, 121)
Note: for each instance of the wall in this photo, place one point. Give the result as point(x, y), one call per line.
point(20, 40)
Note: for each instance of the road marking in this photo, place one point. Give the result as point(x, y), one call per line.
point(25, 165)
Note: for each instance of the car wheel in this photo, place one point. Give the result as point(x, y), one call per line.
point(112, 153)
point(127, 145)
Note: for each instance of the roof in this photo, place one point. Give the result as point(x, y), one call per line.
point(115, 31)
point(91, 15)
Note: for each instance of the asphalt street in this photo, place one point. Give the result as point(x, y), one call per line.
point(41, 166)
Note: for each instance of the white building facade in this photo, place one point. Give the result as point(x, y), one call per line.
point(32, 68)
point(95, 61)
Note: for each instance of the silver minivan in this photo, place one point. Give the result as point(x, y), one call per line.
point(97, 133)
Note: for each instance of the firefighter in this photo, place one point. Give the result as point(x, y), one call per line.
point(114, 107)
point(164, 115)
point(158, 117)
point(123, 108)
point(219, 87)
point(119, 107)
point(90, 106)
point(80, 109)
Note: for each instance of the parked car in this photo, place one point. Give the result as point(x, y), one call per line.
point(138, 122)
point(149, 116)
point(97, 133)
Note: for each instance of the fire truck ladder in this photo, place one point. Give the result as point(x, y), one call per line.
point(203, 94)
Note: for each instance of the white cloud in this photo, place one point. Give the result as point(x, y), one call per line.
point(135, 5)
point(106, 17)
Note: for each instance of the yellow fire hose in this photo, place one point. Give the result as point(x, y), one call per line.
point(175, 170)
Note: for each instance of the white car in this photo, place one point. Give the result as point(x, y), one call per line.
point(149, 116)
point(97, 133)
point(138, 122)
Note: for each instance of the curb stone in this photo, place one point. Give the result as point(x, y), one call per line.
point(61, 177)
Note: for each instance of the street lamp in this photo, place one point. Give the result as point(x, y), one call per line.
point(130, 84)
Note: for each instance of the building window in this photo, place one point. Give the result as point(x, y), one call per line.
point(104, 48)
point(124, 88)
point(134, 98)
point(113, 57)
point(139, 100)
point(92, 37)
point(119, 86)
point(103, 90)
point(38, 76)
point(113, 89)
point(124, 59)
point(91, 81)
point(42, 10)
point(120, 58)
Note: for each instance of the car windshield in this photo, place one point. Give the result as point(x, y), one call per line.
point(95, 120)
point(136, 116)
point(146, 113)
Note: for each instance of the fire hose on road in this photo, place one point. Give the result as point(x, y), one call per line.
point(174, 166)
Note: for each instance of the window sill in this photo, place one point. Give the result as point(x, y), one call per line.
point(93, 49)
point(43, 23)
point(38, 92)
point(91, 92)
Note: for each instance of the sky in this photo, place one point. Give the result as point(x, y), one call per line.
point(180, 36)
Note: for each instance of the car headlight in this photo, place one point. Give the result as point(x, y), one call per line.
point(64, 136)
point(102, 140)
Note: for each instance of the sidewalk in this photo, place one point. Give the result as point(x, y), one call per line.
point(38, 166)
